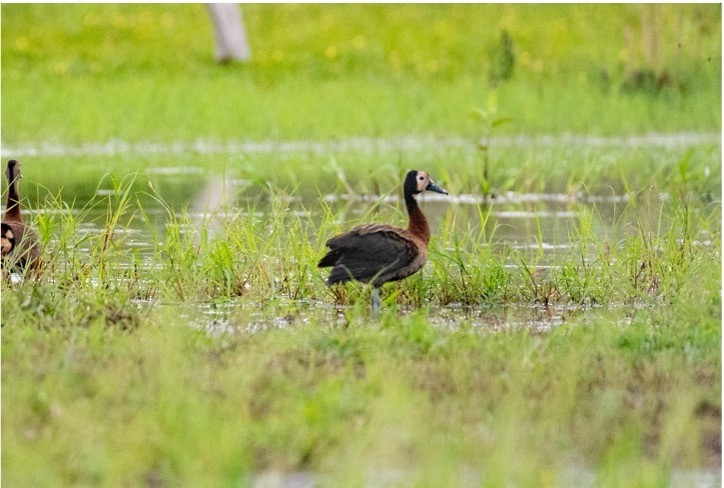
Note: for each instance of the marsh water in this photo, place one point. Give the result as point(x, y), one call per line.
point(520, 220)
point(537, 224)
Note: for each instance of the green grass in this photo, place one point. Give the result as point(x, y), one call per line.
point(629, 395)
point(266, 250)
point(627, 390)
point(216, 353)
point(397, 70)
point(537, 168)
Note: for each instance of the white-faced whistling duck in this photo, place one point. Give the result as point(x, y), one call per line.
point(379, 253)
point(20, 247)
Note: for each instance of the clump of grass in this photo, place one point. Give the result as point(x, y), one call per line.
point(263, 256)
point(585, 166)
point(348, 401)
point(86, 278)
point(469, 268)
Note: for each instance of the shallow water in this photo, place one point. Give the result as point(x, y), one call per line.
point(521, 220)
point(548, 223)
point(543, 220)
point(237, 317)
point(538, 224)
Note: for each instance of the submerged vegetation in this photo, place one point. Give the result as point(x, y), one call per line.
point(565, 331)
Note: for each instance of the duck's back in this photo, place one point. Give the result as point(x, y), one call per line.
point(378, 253)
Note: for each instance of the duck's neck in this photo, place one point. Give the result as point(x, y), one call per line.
point(12, 208)
point(417, 225)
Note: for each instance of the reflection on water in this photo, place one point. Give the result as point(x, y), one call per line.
point(521, 220)
point(233, 317)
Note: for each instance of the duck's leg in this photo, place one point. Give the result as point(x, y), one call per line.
point(375, 301)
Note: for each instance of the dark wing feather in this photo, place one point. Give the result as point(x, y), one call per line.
point(367, 252)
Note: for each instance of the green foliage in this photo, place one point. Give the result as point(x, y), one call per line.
point(344, 401)
point(272, 254)
point(503, 59)
point(359, 69)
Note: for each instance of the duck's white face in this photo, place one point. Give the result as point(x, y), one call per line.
point(6, 244)
point(422, 181)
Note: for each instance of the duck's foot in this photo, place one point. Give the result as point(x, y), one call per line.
point(376, 302)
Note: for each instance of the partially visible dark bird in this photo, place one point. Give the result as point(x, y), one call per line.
point(7, 239)
point(7, 242)
point(379, 253)
point(20, 248)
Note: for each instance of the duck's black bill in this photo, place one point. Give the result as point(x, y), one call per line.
point(433, 187)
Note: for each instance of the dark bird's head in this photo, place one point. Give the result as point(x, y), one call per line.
point(7, 239)
point(12, 172)
point(418, 182)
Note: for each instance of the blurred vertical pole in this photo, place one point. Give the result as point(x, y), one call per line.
point(229, 31)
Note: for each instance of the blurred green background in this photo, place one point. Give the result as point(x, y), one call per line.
point(146, 72)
